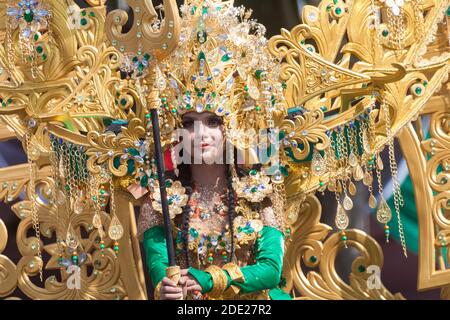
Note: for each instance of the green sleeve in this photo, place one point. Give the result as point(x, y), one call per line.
point(264, 274)
point(156, 253)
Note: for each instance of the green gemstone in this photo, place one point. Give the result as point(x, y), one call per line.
point(116, 248)
point(253, 190)
point(194, 233)
point(328, 7)
point(83, 21)
point(313, 259)
point(123, 101)
point(102, 246)
point(225, 57)
point(418, 90)
point(39, 49)
point(208, 107)
point(448, 11)
point(425, 83)
point(147, 116)
point(344, 238)
point(258, 74)
point(210, 258)
point(144, 181)
point(385, 33)
point(92, 14)
point(258, 108)
point(361, 268)
point(146, 56)
point(83, 13)
point(28, 16)
point(201, 56)
point(36, 37)
point(44, 56)
point(253, 172)
point(338, 11)
point(168, 183)
point(174, 110)
point(188, 107)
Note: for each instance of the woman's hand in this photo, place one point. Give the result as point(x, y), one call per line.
point(188, 283)
point(170, 291)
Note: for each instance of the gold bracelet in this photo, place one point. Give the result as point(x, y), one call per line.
point(234, 271)
point(231, 293)
point(157, 292)
point(220, 281)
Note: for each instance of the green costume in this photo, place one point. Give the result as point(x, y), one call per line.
point(264, 274)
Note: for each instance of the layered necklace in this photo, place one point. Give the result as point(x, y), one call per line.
point(209, 230)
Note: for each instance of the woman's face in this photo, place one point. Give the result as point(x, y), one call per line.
point(204, 132)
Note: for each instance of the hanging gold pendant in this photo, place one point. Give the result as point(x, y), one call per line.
point(384, 214)
point(97, 221)
point(71, 239)
point(318, 164)
point(358, 173)
point(115, 231)
point(78, 204)
point(347, 203)
point(372, 201)
point(380, 165)
point(352, 188)
point(341, 219)
point(352, 160)
point(368, 179)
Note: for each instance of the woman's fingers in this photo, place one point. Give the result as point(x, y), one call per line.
point(183, 280)
point(194, 287)
point(168, 289)
point(172, 296)
point(167, 282)
point(184, 272)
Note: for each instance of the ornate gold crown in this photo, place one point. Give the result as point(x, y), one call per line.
point(221, 65)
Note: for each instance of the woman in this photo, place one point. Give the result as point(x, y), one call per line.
point(229, 238)
point(210, 213)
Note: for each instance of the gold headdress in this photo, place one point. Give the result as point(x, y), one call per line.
point(221, 65)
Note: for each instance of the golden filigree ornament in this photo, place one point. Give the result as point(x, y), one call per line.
point(176, 197)
point(254, 188)
point(246, 229)
point(32, 19)
point(222, 66)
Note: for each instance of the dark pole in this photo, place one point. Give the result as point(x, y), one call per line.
point(162, 187)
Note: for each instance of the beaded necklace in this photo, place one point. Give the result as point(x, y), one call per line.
point(209, 233)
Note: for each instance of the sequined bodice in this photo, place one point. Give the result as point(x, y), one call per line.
point(208, 231)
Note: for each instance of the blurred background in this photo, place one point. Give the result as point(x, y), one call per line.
point(398, 275)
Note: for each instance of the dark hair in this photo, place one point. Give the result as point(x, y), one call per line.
point(185, 179)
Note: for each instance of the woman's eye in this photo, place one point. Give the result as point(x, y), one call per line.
point(187, 124)
point(214, 122)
